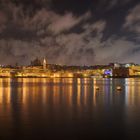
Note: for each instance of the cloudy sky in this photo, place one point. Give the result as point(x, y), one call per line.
point(72, 32)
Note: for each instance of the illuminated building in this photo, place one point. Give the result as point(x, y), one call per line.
point(134, 71)
point(108, 73)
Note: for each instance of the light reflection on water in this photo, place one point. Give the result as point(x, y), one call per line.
point(32, 105)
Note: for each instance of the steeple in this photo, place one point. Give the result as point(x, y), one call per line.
point(44, 64)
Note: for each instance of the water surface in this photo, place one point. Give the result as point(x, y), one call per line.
point(69, 109)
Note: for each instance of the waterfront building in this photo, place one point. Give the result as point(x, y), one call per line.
point(134, 71)
point(121, 72)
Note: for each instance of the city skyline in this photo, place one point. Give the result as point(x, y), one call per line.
point(43, 60)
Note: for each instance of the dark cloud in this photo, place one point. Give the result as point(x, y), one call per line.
point(69, 31)
point(133, 20)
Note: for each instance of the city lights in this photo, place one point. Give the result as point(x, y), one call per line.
point(44, 70)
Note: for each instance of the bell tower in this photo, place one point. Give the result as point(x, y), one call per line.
point(44, 64)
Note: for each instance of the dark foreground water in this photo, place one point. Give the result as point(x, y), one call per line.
point(69, 109)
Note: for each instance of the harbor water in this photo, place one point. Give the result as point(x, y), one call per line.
point(69, 108)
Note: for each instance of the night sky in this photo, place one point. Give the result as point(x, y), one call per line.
point(72, 32)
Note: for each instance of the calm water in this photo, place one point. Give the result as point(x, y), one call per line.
point(69, 109)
